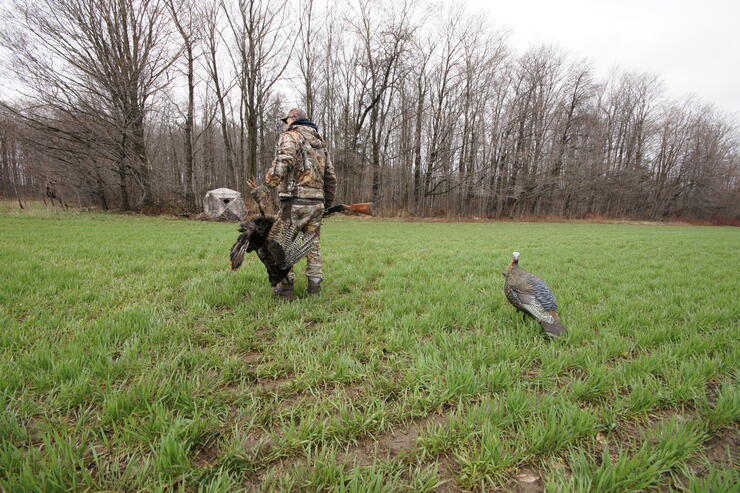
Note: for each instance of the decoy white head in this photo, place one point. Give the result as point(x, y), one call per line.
point(515, 260)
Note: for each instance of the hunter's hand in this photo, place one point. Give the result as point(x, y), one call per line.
point(259, 192)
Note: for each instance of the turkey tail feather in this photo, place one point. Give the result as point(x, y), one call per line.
point(556, 327)
point(294, 243)
point(238, 251)
point(297, 249)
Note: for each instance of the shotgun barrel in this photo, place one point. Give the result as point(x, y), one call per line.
point(365, 208)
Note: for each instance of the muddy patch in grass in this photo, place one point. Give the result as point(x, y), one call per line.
point(400, 441)
point(253, 357)
point(275, 384)
point(527, 480)
point(447, 467)
point(207, 454)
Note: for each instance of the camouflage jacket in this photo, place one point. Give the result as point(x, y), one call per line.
point(302, 167)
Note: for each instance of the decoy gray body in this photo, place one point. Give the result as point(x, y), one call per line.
point(532, 296)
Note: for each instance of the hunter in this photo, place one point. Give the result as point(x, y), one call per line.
point(304, 176)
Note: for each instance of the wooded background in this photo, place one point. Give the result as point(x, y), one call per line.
point(147, 104)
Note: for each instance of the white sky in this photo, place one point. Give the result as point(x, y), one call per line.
point(692, 45)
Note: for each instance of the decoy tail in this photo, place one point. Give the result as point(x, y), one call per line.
point(554, 328)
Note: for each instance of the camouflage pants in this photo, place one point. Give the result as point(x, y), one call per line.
point(307, 218)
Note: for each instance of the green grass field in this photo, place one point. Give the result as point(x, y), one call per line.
point(132, 359)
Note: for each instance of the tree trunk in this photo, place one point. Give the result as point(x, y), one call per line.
point(189, 194)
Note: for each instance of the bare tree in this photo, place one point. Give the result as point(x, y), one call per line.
point(264, 48)
point(102, 60)
point(383, 41)
point(425, 113)
point(9, 162)
point(211, 41)
point(183, 16)
point(309, 56)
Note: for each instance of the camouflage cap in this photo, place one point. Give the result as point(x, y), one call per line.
point(295, 113)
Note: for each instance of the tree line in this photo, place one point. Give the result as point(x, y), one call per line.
point(428, 111)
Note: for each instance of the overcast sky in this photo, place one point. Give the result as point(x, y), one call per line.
point(692, 45)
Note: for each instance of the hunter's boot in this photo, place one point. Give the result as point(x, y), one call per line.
point(284, 291)
point(314, 287)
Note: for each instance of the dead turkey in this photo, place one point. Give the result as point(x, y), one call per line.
point(532, 296)
point(278, 244)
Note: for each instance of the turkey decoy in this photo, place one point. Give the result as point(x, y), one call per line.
point(532, 296)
